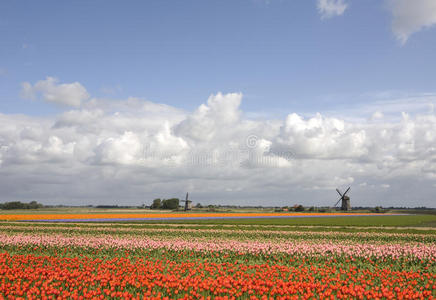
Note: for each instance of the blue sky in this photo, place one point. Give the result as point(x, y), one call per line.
point(121, 102)
point(282, 55)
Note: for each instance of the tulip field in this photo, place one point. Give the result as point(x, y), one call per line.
point(216, 261)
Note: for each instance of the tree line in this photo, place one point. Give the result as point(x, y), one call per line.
point(20, 205)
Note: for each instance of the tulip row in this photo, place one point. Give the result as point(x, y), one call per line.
point(229, 233)
point(97, 261)
point(419, 251)
point(77, 278)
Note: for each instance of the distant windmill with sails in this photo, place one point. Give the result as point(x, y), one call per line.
point(346, 205)
point(188, 203)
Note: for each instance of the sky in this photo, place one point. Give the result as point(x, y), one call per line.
point(248, 102)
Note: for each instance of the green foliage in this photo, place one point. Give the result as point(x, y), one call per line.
point(172, 203)
point(20, 205)
point(299, 208)
point(379, 209)
point(156, 204)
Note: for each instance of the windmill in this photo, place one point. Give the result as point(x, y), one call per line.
point(345, 200)
point(188, 203)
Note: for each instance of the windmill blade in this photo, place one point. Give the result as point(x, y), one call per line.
point(347, 190)
point(337, 202)
point(339, 192)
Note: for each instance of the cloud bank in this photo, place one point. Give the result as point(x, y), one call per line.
point(131, 151)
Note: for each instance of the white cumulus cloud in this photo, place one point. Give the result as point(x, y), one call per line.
point(50, 90)
point(221, 111)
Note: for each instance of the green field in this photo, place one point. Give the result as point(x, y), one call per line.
point(416, 218)
point(360, 221)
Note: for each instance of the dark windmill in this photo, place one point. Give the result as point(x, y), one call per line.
point(345, 200)
point(188, 203)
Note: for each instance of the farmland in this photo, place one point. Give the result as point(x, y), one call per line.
point(221, 258)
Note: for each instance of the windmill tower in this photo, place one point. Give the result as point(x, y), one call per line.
point(346, 205)
point(188, 203)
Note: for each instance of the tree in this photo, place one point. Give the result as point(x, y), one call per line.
point(34, 205)
point(13, 205)
point(20, 205)
point(378, 209)
point(156, 204)
point(299, 208)
point(172, 203)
